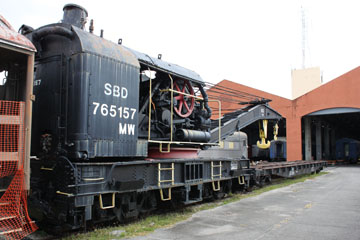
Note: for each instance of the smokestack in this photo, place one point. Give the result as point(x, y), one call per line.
point(75, 15)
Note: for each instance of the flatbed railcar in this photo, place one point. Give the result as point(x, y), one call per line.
point(264, 171)
point(116, 132)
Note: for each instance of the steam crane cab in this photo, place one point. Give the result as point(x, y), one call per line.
point(173, 105)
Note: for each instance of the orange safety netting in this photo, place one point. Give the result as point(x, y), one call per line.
point(14, 219)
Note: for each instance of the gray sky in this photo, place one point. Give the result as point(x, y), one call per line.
point(255, 43)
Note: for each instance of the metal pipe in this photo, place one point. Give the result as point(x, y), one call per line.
point(28, 116)
point(206, 99)
point(172, 108)
point(91, 27)
point(193, 135)
point(56, 30)
point(147, 101)
point(150, 96)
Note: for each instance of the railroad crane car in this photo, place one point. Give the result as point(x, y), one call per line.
point(115, 132)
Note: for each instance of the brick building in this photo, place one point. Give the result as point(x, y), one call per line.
point(317, 119)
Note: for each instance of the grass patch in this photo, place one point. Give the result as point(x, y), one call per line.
point(151, 223)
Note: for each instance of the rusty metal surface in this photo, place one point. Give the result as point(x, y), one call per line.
point(10, 36)
point(97, 45)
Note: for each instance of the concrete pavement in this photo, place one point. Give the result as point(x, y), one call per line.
point(327, 207)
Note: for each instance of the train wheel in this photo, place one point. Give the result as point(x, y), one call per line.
point(126, 207)
point(118, 211)
point(184, 105)
point(224, 190)
point(147, 202)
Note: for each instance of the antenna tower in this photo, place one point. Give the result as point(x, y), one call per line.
point(304, 36)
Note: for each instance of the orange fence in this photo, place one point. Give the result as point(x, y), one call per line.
point(14, 219)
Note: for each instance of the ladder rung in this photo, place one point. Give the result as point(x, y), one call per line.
point(171, 181)
point(162, 195)
point(11, 231)
point(162, 169)
point(216, 176)
point(166, 181)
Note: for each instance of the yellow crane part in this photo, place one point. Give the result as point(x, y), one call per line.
point(276, 131)
point(263, 144)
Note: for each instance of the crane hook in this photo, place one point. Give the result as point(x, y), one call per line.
point(276, 131)
point(263, 135)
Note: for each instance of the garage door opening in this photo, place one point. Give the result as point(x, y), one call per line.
point(331, 134)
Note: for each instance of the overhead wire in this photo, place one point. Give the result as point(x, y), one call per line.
point(212, 86)
point(231, 96)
